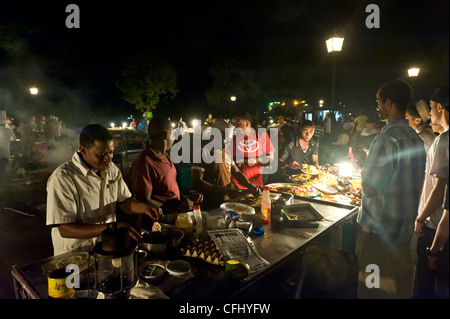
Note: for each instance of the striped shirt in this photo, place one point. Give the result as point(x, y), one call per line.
point(395, 169)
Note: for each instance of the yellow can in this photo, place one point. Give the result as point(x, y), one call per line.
point(57, 285)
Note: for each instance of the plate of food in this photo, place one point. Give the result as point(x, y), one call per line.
point(299, 178)
point(305, 191)
point(310, 169)
point(238, 208)
point(280, 187)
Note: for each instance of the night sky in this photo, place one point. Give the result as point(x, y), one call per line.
point(76, 68)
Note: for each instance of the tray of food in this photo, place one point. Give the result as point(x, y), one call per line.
point(310, 169)
point(302, 213)
point(310, 193)
point(294, 189)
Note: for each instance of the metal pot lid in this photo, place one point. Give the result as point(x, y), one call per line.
point(178, 268)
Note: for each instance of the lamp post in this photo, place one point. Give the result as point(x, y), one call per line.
point(34, 90)
point(413, 72)
point(334, 44)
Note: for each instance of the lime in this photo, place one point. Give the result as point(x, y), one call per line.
point(237, 270)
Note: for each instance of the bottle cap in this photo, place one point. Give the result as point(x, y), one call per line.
point(196, 207)
point(266, 188)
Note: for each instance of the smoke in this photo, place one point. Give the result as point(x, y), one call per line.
point(58, 94)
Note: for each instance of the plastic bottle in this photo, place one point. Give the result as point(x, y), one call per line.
point(198, 222)
point(266, 205)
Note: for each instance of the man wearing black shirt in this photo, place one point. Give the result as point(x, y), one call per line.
point(303, 149)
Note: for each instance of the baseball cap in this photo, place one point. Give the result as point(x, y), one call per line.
point(441, 96)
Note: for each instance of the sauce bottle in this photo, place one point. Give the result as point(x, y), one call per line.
point(198, 222)
point(266, 205)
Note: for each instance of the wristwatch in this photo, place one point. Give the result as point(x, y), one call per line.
point(429, 253)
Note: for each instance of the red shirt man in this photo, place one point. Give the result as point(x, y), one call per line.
point(251, 150)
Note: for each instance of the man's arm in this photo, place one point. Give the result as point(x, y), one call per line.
point(205, 187)
point(315, 159)
point(368, 190)
point(243, 180)
point(133, 206)
point(440, 238)
point(434, 200)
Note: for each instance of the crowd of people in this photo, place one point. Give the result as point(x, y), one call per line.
point(404, 213)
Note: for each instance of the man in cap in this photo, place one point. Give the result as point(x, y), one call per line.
point(213, 175)
point(417, 115)
point(433, 283)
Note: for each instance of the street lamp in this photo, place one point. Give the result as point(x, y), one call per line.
point(334, 44)
point(414, 71)
point(233, 98)
point(34, 90)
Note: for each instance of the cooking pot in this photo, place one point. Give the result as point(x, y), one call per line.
point(158, 242)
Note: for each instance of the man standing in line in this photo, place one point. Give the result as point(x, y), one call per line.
point(391, 182)
point(433, 283)
point(6, 136)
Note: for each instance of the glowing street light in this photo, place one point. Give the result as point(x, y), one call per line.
point(112, 125)
point(413, 72)
point(233, 98)
point(334, 44)
point(34, 90)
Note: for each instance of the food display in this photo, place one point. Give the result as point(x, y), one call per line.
point(294, 189)
point(355, 197)
point(324, 186)
point(299, 178)
point(310, 169)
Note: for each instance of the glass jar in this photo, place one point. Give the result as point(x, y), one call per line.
point(184, 222)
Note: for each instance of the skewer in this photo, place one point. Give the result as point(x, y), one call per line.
point(19, 212)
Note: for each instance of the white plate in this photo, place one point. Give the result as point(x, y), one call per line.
point(238, 208)
point(328, 190)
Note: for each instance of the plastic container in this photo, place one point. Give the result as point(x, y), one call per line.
point(184, 222)
point(198, 222)
point(266, 205)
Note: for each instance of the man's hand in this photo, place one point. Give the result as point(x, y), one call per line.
point(196, 198)
point(295, 165)
point(418, 228)
point(134, 233)
point(254, 190)
point(431, 262)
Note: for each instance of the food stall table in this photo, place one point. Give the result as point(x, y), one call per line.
point(207, 280)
